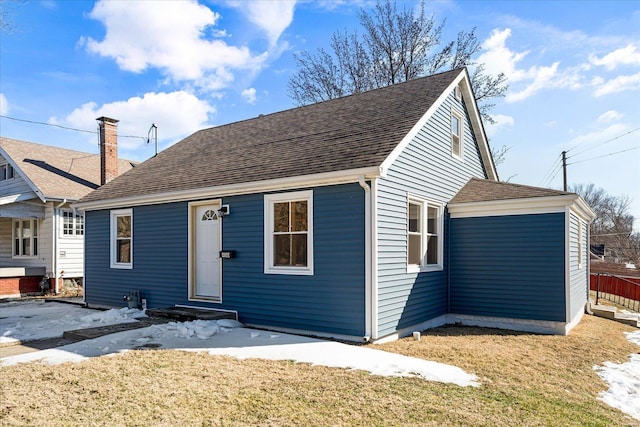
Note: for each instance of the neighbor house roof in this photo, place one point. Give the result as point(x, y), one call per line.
point(483, 190)
point(353, 133)
point(56, 173)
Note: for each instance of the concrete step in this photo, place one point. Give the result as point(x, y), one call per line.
point(99, 331)
point(185, 314)
point(610, 312)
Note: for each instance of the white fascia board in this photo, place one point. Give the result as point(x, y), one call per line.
point(583, 211)
point(280, 184)
point(24, 176)
point(532, 205)
point(476, 124)
point(6, 200)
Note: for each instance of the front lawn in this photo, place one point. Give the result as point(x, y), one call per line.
point(526, 380)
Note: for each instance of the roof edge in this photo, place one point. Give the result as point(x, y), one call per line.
point(521, 206)
point(315, 180)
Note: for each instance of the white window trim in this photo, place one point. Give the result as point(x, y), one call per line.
point(460, 134)
point(269, 200)
point(34, 223)
point(112, 238)
point(425, 203)
point(74, 226)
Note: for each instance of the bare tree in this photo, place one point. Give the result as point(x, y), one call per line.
point(613, 225)
point(396, 46)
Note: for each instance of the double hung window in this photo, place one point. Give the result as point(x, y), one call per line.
point(122, 238)
point(25, 238)
point(288, 246)
point(424, 235)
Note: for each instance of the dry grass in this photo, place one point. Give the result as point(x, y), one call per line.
point(526, 380)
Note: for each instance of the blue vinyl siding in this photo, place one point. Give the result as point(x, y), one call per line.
point(332, 300)
point(159, 257)
point(509, 266)
point(578, 274)
point(426, 168)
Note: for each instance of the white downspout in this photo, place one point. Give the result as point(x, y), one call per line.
point(55, 243)
point(367, 257)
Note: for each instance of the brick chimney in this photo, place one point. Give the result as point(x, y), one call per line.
point(108, 149)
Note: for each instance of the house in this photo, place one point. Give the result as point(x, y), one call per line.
point(40, 234)
point(361, 218)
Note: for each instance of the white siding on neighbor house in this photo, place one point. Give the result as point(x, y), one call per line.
point(578, 271)
point(427, 169)
point(16, 186)
point(70, 251)
point(44, 258)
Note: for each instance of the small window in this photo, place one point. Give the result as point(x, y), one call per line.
point(424, 235)
point(6, 172)
point(288, 233)
point(72, 224)
point(25, 238)
point(456, 134)
point(457, 93)
point(122, 238)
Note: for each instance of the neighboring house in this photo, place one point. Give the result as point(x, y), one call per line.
point(41, 236)
point(361, 218)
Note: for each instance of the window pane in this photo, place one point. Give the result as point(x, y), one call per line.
point(16, 245)
point(414, 218)
point(432, 220)
point(299, 247)
point(35, 247)
point(455, 125)
point(26, 247)
point(432, 250)
point(35, 228)
point(415, 251)
point(26, 229)
point(281, 217)
point(299, 216)
point(124, 251)
point(282, 249)
point(79, 225)
point(124, 226)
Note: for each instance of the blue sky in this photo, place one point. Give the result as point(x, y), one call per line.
point(573, 69)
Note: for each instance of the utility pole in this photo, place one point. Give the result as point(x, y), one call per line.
point(564, 169)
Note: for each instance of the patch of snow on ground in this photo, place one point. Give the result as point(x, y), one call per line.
point(227, 337)
point(36, 319)
point(624, 381)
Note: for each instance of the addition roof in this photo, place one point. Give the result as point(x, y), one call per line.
point(350, 133)
point(484, 190)
point(56, 173)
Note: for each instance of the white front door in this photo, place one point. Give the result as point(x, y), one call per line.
point(206, 265)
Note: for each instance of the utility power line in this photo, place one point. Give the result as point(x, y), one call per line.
point(66, 127)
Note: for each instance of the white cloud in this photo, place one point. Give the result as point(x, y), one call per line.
point(249, 95)
point(598, 136)
point(4, 105)
point(273, 17)
point(609, 116)
point(170, 36)
point(501, 122)
point(619, 84)
point(525, 82)
point(627, 55)
point(177, 114)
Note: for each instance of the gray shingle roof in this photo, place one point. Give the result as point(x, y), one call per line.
point(352, 132)
point(58, 173)
point(483, 190)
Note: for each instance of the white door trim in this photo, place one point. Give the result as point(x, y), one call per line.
point(192, 222)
